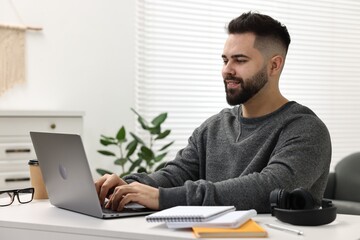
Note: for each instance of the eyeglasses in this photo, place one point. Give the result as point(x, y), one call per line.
point(23, 195)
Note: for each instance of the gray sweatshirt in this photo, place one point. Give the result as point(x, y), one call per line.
point(232, 160)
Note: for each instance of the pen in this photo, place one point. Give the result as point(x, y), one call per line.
point(298, 232)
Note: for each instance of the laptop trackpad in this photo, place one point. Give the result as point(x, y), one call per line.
point(132, 205)
point(129, 206)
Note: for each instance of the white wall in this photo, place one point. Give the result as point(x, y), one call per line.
point(83, 60)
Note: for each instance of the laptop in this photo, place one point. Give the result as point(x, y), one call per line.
point(68, 178)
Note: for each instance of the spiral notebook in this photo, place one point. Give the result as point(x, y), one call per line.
point(232, 219)
point(189, 213)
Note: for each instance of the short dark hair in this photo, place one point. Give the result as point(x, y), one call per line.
point(263, 26)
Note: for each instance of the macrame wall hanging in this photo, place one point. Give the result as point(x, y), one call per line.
point(12, 52)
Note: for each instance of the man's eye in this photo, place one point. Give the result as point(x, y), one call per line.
point(225, 61)
point(241, 60)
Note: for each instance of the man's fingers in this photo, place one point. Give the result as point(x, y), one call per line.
point(134, 192)
point(130, 197)
point(106, 184)
point(117, 196)
point(99, 183)
point(100, 188)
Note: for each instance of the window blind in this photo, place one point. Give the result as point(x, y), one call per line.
point(178, 62)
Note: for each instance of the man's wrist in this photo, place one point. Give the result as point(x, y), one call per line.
point(171, 197)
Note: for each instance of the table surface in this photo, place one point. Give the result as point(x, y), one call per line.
point(41, 216)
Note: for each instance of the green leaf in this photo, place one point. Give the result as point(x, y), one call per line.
point(106, 153)
point(141, 169)
point(157, 121)
point(143, 123)
point(135, 165)
point(154, 130)
point(120, 161)
point(141, 120)
point(103, 171)
point(160, 166)
point(137, 138)
point(147, 153)
point(107, 138)
point(121, 134)
point(160, 157)
point(131, 147)
point(163, 135)
point(106, 142)
point(145, 158)
point(166, 146)
point(141, 155)
point(135, 112)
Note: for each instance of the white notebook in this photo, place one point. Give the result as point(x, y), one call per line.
point(228, 220)
point(189, 213)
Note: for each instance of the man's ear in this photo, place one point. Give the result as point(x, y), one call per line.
point(276, 64)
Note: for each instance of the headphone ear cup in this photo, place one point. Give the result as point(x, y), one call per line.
point(284, 199)
point(273, 198)
point(301, 199)
point(279, 198)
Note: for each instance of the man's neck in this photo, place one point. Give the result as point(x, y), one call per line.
point(260, 106)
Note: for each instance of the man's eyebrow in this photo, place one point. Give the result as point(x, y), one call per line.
point(235, 56)
point(239, 55)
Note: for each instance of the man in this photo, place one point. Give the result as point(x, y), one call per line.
point(238, 156)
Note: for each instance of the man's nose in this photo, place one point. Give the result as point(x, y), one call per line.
point(228, 70)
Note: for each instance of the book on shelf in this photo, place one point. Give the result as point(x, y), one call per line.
point(248, 229)
point(189, 213)
point(232, 219)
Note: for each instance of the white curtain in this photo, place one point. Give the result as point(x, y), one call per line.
point(178, 62)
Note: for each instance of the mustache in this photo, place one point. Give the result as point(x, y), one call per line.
point(233, 78)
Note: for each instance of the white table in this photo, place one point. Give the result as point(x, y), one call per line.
point(40, 220)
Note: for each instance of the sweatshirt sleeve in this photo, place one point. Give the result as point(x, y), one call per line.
point(184, 167)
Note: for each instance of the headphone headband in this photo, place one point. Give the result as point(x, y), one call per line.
point(306, 217)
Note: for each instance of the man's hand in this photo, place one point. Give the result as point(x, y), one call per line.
point(134, 192)
point(106, 184)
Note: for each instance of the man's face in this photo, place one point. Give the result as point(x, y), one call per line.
point(244, 71)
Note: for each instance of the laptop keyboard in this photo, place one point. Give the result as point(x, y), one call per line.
point(108, 210)
point(125, 210)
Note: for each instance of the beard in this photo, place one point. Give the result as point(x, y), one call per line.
point(247, 89)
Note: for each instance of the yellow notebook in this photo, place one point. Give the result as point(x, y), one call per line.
point(248, 229)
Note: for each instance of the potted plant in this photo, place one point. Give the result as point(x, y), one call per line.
point(137, 155)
